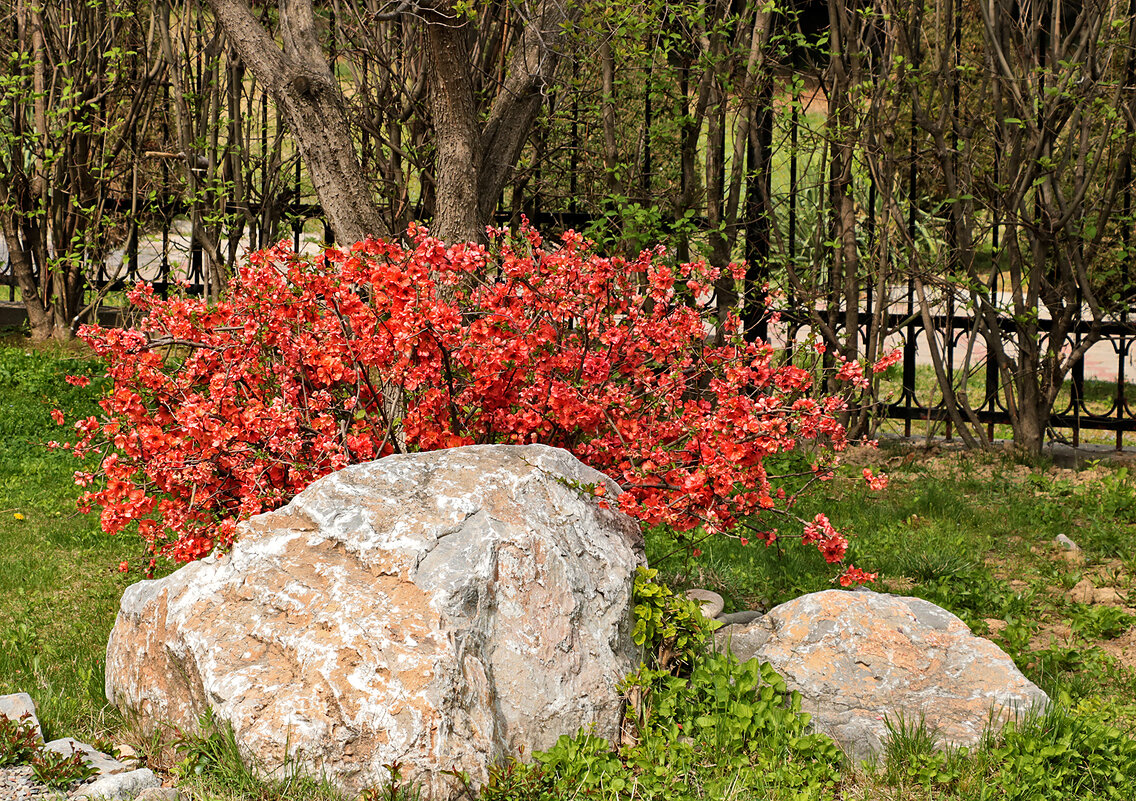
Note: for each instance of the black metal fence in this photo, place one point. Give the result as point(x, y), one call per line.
point(1096, 398)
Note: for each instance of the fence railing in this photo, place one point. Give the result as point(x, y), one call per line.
point(1096, 397)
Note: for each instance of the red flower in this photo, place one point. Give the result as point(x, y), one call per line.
point(875, 482)
point(307, 365)
point(854, 575)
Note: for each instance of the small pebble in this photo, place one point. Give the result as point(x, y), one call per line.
point(18, 784)
point(1066, 543)
point(711, 602)
point(159, 794)
point(739, 618)
point(121, 786)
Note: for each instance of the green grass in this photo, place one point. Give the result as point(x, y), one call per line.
point(973, 534)
point(59, 584)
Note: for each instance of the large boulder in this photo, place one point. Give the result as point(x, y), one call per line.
point(440, 610)
point(858, 656)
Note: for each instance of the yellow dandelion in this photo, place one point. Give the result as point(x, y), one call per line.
point(18, 516)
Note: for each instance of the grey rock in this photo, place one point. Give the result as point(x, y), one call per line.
point(105, 764)
point(446, 610)
point(740, 639)
point(159, 794)
point(857, 657)
point(16, 705)
point(739, 618)
point(119, 787)
point(1066, 543)
point(711, 602)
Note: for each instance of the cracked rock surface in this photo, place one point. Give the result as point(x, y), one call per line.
point(858, 656)
point(443, 610)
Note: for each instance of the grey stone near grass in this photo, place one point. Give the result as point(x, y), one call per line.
point(710, 602)
point(738, 618)
point(119, 787)
point(16, 705)
point(159, 794)
point(860, 657)
point(1066, 543)
point(741, 639)
point(105, 764)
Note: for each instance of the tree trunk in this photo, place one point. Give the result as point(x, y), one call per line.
point(457, 145)
point(40, 317)
point(304, 89)
point(532, 70)
point(845, 261)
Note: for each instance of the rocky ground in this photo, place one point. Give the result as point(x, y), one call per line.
point(115, 778)
point(17, 784)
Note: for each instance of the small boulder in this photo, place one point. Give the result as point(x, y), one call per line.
point(857, 657)
point(105, 764)
point(1070, 551)
point(710, 603)
point(739, 618)
point(1108, 595)
point(119, 787)
point(443, 610)
point(16, 705)
point(159, 794)
point(1066, 543)
point(995, 625)
point(1085, 592)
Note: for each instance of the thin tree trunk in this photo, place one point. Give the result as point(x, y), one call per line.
point(304, 89)
point(457, 146)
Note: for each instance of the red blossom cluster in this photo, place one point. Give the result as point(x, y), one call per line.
point(220, 411)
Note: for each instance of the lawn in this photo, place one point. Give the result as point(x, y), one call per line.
point(974, 534)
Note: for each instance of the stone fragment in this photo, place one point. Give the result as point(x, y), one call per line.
point(711, 603)
point(1083, 592)
point(1070, 551)
point(16, 705)
point(159, 794)
point(739, 618)
point(857, 657)
point(740, 638)
point(995, 625)
point(105, 764)
point(1108, 595)
point(1066, 543)
point(442, 610)
point(119, 787)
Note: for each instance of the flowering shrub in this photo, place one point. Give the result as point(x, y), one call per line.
point(222, 411)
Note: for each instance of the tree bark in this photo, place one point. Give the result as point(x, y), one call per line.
point(472, 162)
point(514, 111)
point(457, 146)
point(41, 318)
point(304, 89)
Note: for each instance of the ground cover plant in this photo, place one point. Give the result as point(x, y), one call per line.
point(973, 533)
